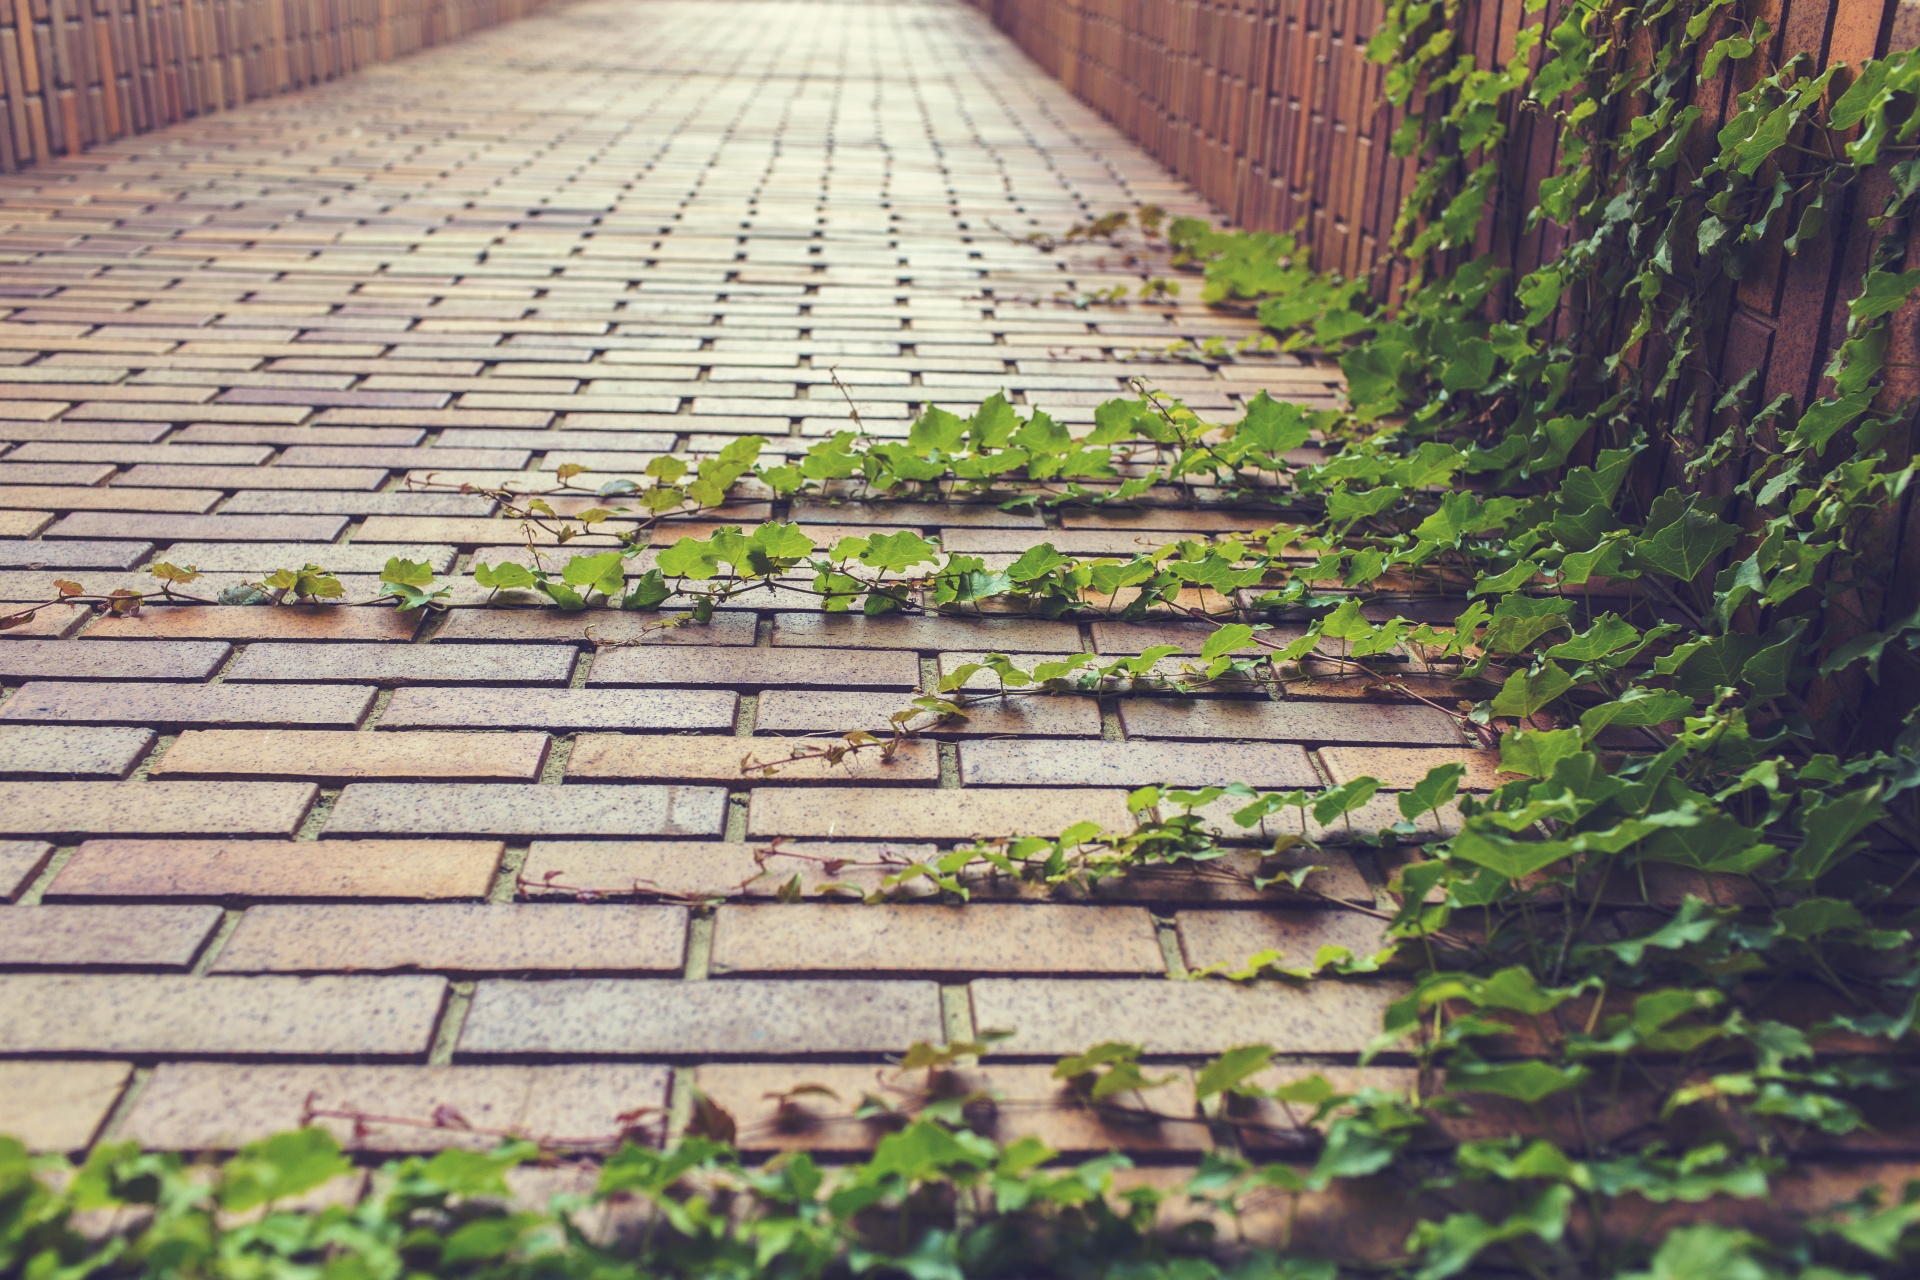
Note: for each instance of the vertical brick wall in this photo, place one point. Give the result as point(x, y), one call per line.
point(74, 73)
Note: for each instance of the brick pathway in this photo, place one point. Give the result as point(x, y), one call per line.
point(259, 856)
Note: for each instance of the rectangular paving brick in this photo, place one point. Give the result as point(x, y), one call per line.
point(596, 626)
point(850, 813)
point(20, 862)
point(168, 705)
point(926, 634)
point(908, 515)
point(264, 557)
point(154, 808)
point(456, 937)
point(394, 665)
point(687, 758)
point(62, 751)
point(167, 1014)
point(1316, 722)
point(22, 524)
point(243, 623)
point(248, 869)
point(922, 938)
point(111, 660)
point(105, 936)
point(742, 668)
point(696, 869)
point(1401, 768)
point(812, 711)
point(332, 756)
point(59, 1106)
point(1133, 764)
point(641, 1017)
point(1232, 938)
point(1053, 1016)
point(213, 528)
point(57, 498)
point(504, 809)
point(24, 554)
point(396, 457)
point(280, 480)
point(219, 1106)
point(468, 531)
point(559, 710)
point(230, 455)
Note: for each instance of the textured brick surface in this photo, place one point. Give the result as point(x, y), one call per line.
point(111, 660)
point(455, 937)
point(560, 709)
point(810, 711)
point(20, 862)
point(397, 665)
point(859, 814)
point(338, 757)
point(920, 939)
point(105, 936)
point(1057, 1016)
point(286, 622)
point(1132, 764)
point(1202, 718)
point(707, 869)
point(241, 869)
point(480, 809)
point(170, 705)
point(686, 758)
point(59, 1106)
point(751, 669)
point(154, 808)
point(62, 751)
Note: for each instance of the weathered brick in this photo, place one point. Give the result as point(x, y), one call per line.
point(394, 665)
point(50, 622)
point(1122, 638)
point(167, 705)
point(1232, 938)
point(1316, 722)
point(153, 808)
point(50, 751)
point(1053, 1016)
point(923, 938)
point(335, 557)
point(398, 457)
point(200, 1106)
point(456, 937)
point(706, 869)
point(613, 1016)
point(1071, 542)
point(742, 668)
point(25, 554)
point(330, 756)
point(1132, 764)
point(23, 524)
point(683, 758)
point(105, 936)
point(20, 862)
point(1401, 768)
point(246, 869)
point(111, 660)
point(213, 528)
point(265, 499)
point(596, 626)
point(501, 809)
point(244, 623)
point(559, 710)
point(1172, 520)
point(810, 711)
point(233, 455)
point(851, 813)
point(59, 1106)
point(168, 1014)
point(281, 480)
point(23, 497)
point(926, 634)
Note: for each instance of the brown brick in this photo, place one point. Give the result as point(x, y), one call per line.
point(229, 455)
point(53, 622)
point(559, 710)
point(55, 498)
point(926, 634)
point(1070, 542)
point(22, 524)
point(847, 813)
point(264, 557)
point(742, 668)
point(503, 809)
point(615, 1016)
point(214, 528)
point(397, 457)
point(596, 626)
point(683, 758)
point(909, 515)
point(1232, 938)
point(1336, 722)
point(923, 938)
point(105, 936)
point(35, 554)
point(1050, 1017)
point(394, 665)
point(59, 1106)
point(170, 1014)
point(1133, 764)
point(283, 481)
point(243, 623)
point(1171, 520)
point(245, 869)
point(457, 937)
point(153, 808)
point(111, 660)
point(60, 751)
point(20, 862)
point(163, 705)
point(468, 531)
point(706, 869)
point(809, 711)
point(331, 756)
point(200, 1106)
point(1401, 768)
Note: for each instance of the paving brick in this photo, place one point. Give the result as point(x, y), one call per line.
point(1122, 638)
point(55, 472)
point(1401, 768)
point(922, 938)
point(282, 481)
point(500, 809)
point(20, 862)
point(726, 760)
point(24, 554)
point(1053, 1016)
point(393, 665)
point(153, 808)
point(468, 531)
point(59, 1106)
point(111, 660)
point(851, 813)
point(62, 751)
point(1133, 764)
point(456, 937)
point(640, 1017)
point(357, 502)
point(692, 869)
point(811, 711)
point(49, 622)
point(164, 706)
point(744, 668)
point(333, 756)
point(912, 515)
point(230, 455)
point(237, 870)
point(55, 498)
point(265, 557)
point(1316, 722)
point(244, 623)
point(1172, 520)
point(559, 710)
point(170, 1014)
point(220, 528)
point(1071, 542)
point(1232, 938)
point(597, 626)
point(926, 634)
point(199, 1106)
point(396, 457)
point(22, 524)
point(105, 936)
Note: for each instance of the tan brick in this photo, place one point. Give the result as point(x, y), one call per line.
point(816, 711)
point(105, 936)
point(926, 634)
point(742, 668)
point(393, 665)
point(1331, 722)
point(330, 756)
point(1133, 764)
point(561, 709)
point(1172, 520)
point(20, 862)
point(1232, 938)
point(850, 813)
point(211, 528)
point(456, 937)
point(23, 524)
point(66, 751)
point(704, 869)
point(197, 1106)
point(596, 626)
point(111, 660)
point(37, 498)
point(1401, 768)
point(1058, 1016)
point(1121, 638)
point(924, 939)
point(59, 1106)
point(467, 531)
point(505, 809)
point(38, 554)
point(247, 623)
point(154, 808)
point(687, 758)
point(182, 704)
point(134, 1013)
point(245, 869)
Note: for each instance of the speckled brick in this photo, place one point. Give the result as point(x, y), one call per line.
point(1121, 638)
point(1232, 938)
point(105, 936)
point(743, 668)
point(165, 705)
point(332, 756)
point(644, 1017)
point(855, 813)
point(1315, 722)
point(596, 626)
point(815, 711)
point(154, 808)
point(457, 937)
point(66, 751)
point(210, 528)
point(1133, 764)
point(245, 623)
point(237, 870)
point(111, 660)
point(20, 862)
point(731, 760)
point(708, 869)
point(926, 634)
point(1053, 1016)
point(24, 554)
point(499, 809)
point(59, 1106)
point(169, 1014)
point(561, 709)
point(922, 939)
point(391, 665)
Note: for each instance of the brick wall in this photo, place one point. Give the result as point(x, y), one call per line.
point(74, 73)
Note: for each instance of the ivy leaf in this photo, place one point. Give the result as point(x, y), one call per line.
point(1525, 692)
point(605, 573)
point(1037, 562)
point(1339, 801)
point(1228, 639)
point(1230, 1069)
point(895, 552)
point(1885, 292)
point(1681, 539)
point(280, 1167)
point(1532, 753)
point(1505, 856)
point(650, 592)
point(937, 431)
point(1528, 1082)
point(693, 558)
point(1636, 708)
point(173, 573)
point(502, 577)
point(1432, 792)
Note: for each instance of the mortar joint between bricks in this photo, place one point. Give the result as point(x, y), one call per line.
point(229, 921)
point(582, 668)
point(553, 771)
point(56, 862)
point(316, 819)
point(380, 700)
point(506, 881)
point(453, 1017)
point(124, 1104)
